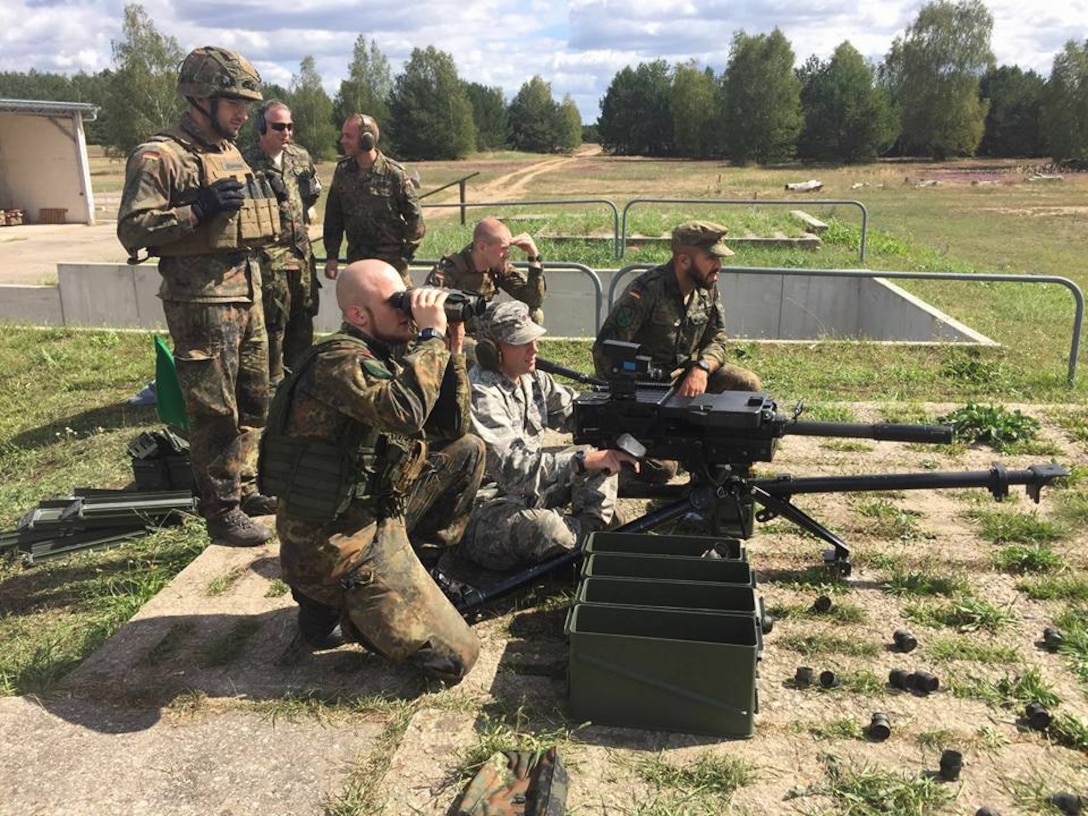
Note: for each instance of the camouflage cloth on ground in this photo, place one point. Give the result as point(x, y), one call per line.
point(652, 312)
point(517, 783)
point(360, 563)
point(212, 308)
point(530, 520)
point(376, 210)
point(458, 272)
point(290, 285)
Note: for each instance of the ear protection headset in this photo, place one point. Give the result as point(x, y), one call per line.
point(261, 122)
point(488, 353)
point(367, 140)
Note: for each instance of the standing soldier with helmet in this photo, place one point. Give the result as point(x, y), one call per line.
point(289, 270)
point(372, 202)
point(191, 199)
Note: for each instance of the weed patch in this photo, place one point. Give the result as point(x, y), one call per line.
point(1015, 528)
point(868, 790)
point(818, 643)
point(973, 649)
point(992, 425)
point(965, 615)
point(1022, 559)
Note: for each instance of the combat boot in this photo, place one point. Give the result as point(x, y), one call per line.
point(256, 504)
point(237, 529)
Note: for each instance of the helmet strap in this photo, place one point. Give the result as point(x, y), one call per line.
point(212, 116)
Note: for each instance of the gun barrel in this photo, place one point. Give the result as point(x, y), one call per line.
point(548, 367)
point(882, 431)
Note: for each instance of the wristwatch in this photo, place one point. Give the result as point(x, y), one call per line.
point(704, 365)
point(580, 461)
point(431, 334)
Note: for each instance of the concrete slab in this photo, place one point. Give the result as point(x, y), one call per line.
point(91, 759)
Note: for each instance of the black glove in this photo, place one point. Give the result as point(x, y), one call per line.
point(223, 196)
point(278, 187)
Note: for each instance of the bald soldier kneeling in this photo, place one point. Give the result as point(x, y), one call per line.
point(345, 453)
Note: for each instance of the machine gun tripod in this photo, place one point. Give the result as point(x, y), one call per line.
point(718, 437)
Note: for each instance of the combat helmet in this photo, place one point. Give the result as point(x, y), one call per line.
point(212, 71)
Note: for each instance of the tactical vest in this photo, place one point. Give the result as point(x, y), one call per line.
point(255, 224)
point(316, 480)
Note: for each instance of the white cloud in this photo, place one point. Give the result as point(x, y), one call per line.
point(577, 46)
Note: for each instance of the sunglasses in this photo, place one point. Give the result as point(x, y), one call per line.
point(281, 125)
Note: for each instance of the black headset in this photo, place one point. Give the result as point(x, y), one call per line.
point(367, 140)
point(488, 353)
point(261, 123)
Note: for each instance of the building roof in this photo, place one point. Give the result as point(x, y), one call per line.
point(33, 107)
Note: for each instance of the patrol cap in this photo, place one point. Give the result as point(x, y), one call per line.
point(509, 322)
point(704, 235)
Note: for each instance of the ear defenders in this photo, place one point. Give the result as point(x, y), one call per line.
point(488, 353)
point(367, 140)
point(261, 120)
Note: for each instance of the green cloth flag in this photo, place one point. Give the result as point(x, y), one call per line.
point(170, 404)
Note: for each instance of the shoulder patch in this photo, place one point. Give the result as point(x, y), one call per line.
point(624, 316)
point(375, 369)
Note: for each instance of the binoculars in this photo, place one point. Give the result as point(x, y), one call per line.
point(459, 306)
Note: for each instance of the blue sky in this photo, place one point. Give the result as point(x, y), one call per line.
point(577, 46)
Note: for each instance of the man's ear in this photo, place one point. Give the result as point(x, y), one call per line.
point(359, 316)
point(683, 261)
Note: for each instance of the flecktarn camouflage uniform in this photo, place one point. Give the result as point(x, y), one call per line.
point(457, 271)
point(290, 287)
point(529, 520)
point(212, 303)
point(377, 210)
point(652, 312)
point(361, 564)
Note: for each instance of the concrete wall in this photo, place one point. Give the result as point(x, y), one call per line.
point(43, 163)
point(763, 306)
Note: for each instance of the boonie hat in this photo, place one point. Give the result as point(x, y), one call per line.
point(704, 235)
point(509, 322)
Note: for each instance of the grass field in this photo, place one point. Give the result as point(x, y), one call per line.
point(976, 581)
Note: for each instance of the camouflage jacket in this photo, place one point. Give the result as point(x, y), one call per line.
point(159, 177)
point(376, 209)
point(458, 272)
point(652, 312)
point(510, 417)
point(293, 250)
point(426, 390)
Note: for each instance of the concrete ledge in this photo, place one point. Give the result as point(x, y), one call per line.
point(757, 305)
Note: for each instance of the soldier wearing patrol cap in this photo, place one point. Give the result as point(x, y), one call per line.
point(191, 199)
point(675, 313)
point(547, 501)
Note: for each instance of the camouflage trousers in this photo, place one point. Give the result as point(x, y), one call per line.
point(511, 532)
point(733, 378)
point(290, 302)
point(221, 355)
point(365, 569)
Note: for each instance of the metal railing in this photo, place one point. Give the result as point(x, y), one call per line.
point(747, 202)
point(462, 191)
point(544, 203)
point(594, 278)
point(1078, 295)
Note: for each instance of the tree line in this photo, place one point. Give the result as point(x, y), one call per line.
point(425, 112)
point(937, 93)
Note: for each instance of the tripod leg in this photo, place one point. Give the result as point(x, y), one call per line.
point(838, 558)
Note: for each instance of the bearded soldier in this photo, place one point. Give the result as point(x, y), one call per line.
point(191, 199)
point(345, 451)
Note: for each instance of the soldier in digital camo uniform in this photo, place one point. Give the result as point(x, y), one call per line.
point(675, 313)
point(372, 202)
point(484, 266)
point(191, 199)
point(345, 452)
point(547, 501)
point(289, 281)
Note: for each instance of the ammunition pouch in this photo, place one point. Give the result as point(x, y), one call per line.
point(314, 480)
point(398, 462)
point(257, 222)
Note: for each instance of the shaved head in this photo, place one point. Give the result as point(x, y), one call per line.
point(490, 229)
point(363, 291)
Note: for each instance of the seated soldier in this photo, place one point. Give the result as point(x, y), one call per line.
point(484, 266)
point(675, 313)
point(345, 452)
point(547, 501)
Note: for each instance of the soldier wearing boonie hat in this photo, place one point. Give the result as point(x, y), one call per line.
point(547, 501)
point(675, 313)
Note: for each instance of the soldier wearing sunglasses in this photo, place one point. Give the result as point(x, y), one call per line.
point(289, 270)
